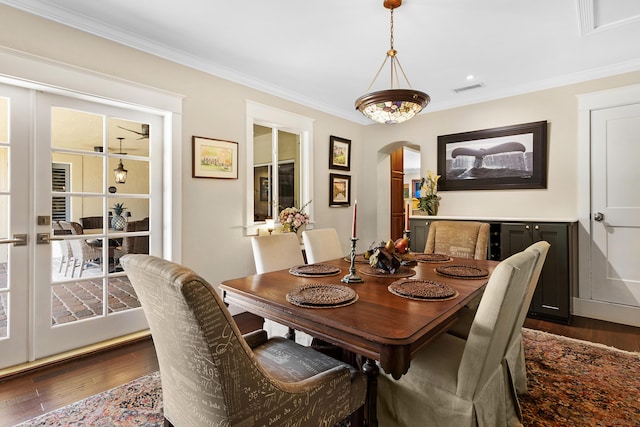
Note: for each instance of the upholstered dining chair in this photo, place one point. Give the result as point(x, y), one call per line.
point(515, 352)
point(83, 254)
point(464, 239)
point(277, 252)
point(66, 255)
point(212, 375)
point(321, 245)
point(458, 383)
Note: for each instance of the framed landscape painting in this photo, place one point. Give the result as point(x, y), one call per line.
point(214, 158)
point(339, 190)
point(339, 153)
point(509, 157)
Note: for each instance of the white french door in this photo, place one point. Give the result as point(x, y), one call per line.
point(60, 167)
point(616, 205)
point(14, 203)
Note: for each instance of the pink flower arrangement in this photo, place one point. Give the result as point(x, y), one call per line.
point(293, 218)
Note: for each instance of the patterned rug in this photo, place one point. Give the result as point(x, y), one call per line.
point(578, 383)
point(571, 383)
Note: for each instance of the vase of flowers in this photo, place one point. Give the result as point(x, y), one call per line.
point(294, 219)
point(429, 199)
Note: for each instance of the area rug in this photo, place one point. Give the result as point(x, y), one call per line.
point(136, 403)
point(571, 383)
point(578, 383)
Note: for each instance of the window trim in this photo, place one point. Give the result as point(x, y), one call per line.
point(282, 120)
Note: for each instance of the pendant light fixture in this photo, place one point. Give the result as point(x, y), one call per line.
point(394, 105)
point(120, 171)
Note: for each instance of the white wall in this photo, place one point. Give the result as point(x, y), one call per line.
point(214, 243)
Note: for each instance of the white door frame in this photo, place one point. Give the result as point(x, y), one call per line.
point(23, 70)
point(583, 305)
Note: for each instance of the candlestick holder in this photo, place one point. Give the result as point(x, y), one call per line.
point(352, 277)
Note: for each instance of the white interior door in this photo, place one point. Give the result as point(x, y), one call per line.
point(14, 205)
point(615, 210)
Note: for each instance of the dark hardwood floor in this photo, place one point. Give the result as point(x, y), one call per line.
point(29, 394)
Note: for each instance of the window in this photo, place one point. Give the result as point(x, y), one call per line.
point(281, 142)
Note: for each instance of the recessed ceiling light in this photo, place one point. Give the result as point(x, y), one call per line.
point(470, 77)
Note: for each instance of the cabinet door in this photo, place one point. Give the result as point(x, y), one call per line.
point(514, 237)
point(551, 298)
point(552, 294)
point(419, 231)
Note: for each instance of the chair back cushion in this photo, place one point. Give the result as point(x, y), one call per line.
point(494, 322)
point(207, 370)
point(276, 252)
point(464, 239)
point(322, 245)
point(136, 244)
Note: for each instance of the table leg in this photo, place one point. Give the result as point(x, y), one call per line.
point(291, 334)
point(371, 370)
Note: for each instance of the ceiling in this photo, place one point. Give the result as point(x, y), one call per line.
point(324, 54)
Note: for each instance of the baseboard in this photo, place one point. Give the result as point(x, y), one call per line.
point(616, 313)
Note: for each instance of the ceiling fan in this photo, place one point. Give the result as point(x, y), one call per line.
point(143, 135)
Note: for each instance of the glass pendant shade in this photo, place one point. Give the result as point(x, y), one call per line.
point(392, 105)
point(120, 173)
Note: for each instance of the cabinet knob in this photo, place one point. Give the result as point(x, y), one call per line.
point(598, 216)
point(537, 227)
point(527, 227)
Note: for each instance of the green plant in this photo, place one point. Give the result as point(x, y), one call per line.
point(118, 208)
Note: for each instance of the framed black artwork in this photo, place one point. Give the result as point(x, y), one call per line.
point(509, 157)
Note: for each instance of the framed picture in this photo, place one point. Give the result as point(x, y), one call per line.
point(339, 190)
point(415, 188)
point(509, 157)
point(339, 153)
point(214, 158)
point(406, 192)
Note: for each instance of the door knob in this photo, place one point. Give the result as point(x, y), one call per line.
point(598, 216)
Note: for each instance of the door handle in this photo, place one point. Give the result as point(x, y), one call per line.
point(45, 238)
point(598, 216)
point(18, 240)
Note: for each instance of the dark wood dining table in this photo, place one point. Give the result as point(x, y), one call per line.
point(379, 326)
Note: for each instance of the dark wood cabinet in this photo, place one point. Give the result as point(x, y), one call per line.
point(552, 299)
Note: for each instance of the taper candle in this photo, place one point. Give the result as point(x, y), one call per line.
point(353, 225)
point(406, 218)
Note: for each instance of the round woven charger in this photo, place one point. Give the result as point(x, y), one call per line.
point(322, 295)
point(462, 271)
point(432, 257)
point(423, 290)
point(377, 272)
point(314, 270)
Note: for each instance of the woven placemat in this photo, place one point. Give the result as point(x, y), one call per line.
point(377, 272)
point(314, 270)
point(360, 259)
point(432, 257)
point(322, 295)
point(423, 290)
point(460, 271)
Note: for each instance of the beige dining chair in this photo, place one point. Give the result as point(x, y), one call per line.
point(83, 254)
point(464, 239)
point(455, 382)
point(277, 252)
point(212, 375)
point(515, 353)
point(322, 245)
